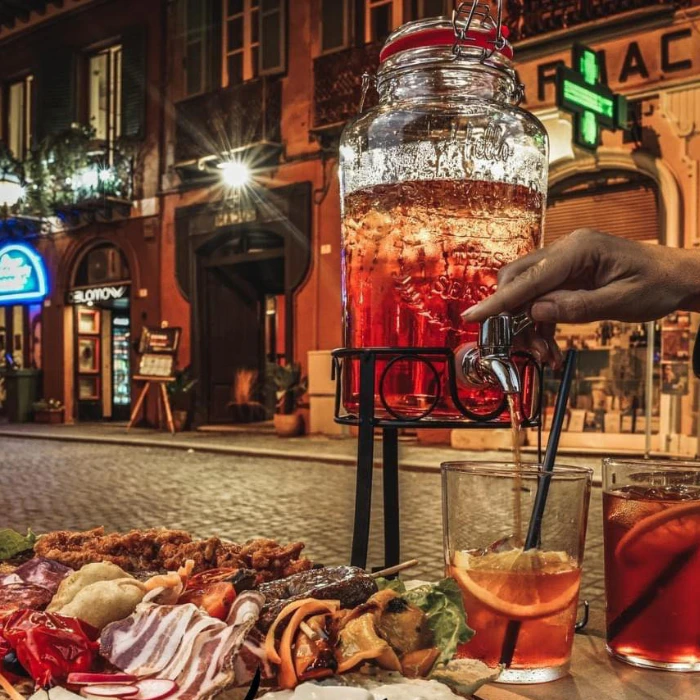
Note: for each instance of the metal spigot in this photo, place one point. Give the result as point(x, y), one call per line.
point(489, 363)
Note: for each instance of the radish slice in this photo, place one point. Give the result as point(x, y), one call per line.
point(107, 690)
point(155, 688)
point(100, 678)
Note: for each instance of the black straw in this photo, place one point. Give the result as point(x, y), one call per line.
point(534, 529)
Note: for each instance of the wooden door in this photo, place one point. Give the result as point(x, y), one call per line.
point(233, 337)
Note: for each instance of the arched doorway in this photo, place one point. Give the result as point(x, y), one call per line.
point(242, 298)
point(100, 293)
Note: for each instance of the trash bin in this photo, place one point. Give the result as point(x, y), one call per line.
point(22, 390)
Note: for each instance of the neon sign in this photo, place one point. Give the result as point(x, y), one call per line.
point(22, 275)
point(594, 106)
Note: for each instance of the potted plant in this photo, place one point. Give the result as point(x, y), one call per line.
point(242, 406)
point(48, 411)
point(180, 395)
point(289, 386)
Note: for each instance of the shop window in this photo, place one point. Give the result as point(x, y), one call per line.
point(104, 94)
point(18, 116)
point(381, 18)
point(336, 23)
point(432, 8)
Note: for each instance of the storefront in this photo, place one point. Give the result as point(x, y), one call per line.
point(23, 288)
point(100, 299)
point(632, 390)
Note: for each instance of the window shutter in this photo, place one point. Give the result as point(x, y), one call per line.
point(133, 85)
point(629, 213)
point(55, 92)
point(216, 18)
point(273, 37)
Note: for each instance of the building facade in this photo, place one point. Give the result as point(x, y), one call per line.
point(252, 274)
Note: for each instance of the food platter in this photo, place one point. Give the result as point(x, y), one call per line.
point(157, 614)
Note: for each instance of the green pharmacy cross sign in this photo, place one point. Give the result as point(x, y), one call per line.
point(592, 103)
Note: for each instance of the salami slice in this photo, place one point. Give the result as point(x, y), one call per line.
point(16, 596)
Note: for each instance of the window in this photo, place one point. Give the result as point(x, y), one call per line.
point(197, 46)
point(381, 18)
point(105, 94)
point(241, 41)
point(336, 20)
point(432, 8)
point(254, 39)
point(273, 37)
point(19, 117)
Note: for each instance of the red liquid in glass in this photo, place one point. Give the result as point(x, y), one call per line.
point(646, 530)
point(415, 256)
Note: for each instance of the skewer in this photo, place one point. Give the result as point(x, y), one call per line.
point(395, 569)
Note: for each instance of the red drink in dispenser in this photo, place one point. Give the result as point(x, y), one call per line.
point(443, 183)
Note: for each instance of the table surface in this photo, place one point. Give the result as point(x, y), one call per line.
point(595, 676)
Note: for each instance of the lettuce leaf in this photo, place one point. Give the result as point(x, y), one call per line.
point(13, 543)
point(442, 604)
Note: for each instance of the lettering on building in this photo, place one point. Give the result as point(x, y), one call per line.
point(95, 294)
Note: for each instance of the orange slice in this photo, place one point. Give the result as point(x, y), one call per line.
point(669, 531)
point(512, 610)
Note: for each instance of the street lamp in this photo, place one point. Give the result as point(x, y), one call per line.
point(234, 173)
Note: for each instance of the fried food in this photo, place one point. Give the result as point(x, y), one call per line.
point(161, 549)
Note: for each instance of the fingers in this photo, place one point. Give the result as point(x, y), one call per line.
point(578, 306)
point(541, 345)
point(547, 273)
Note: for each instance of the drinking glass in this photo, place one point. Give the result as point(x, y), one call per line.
point(651, 516)
point(525, 600)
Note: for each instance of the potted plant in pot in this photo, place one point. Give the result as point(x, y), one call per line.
point(289, 386)
point(48, 411)
point(180, 395)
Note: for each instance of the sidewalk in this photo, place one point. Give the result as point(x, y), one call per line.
point(262, 442)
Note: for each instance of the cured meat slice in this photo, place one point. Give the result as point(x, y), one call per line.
point(183, 644)
point(39, 572)
point(17, 596)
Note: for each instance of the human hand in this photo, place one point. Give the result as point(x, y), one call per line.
point(592, 276)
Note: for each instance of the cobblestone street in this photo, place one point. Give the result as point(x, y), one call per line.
point(50, 485)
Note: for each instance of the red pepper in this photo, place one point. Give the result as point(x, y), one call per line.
point(50, 646)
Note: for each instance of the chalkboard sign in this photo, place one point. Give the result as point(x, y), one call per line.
point(159, 340)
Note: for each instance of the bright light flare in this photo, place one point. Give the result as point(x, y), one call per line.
point(235, 173)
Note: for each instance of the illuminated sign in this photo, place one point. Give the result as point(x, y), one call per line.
point(22, 275)
point(594, 106)
point(93, 294)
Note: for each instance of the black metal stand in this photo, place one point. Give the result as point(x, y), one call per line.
point(440, 363)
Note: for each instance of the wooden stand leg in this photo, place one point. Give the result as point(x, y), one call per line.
point(168, 412)
point(138, 404)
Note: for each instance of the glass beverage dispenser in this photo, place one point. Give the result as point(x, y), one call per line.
point(442, 184)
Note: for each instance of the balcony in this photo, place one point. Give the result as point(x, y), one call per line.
point(531, 18)
point(338, 85)
point(239, 118)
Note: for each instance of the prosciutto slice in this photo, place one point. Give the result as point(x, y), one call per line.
point(183, 644)
point(31, 585)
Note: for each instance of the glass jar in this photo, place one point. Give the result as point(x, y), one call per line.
point(442, 184)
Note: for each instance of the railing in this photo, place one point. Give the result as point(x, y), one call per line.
point(229, 118)
point(528, 18)
point(338, 83)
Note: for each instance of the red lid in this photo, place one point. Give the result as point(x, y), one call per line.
point(446, 37)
